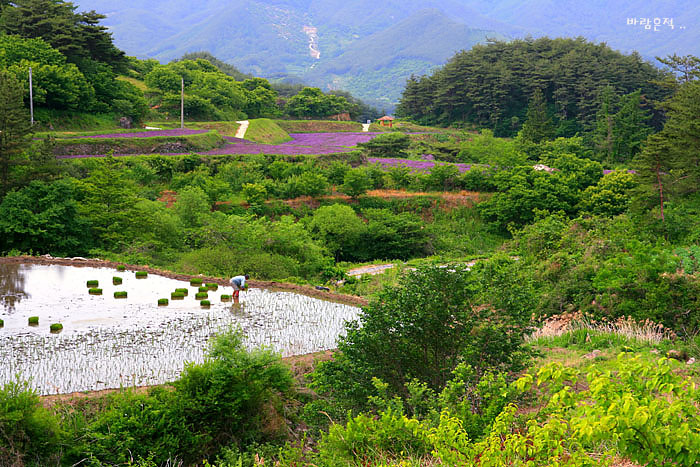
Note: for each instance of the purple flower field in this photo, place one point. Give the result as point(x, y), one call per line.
point(147, 134)
point(301, 144)
point(415, 166)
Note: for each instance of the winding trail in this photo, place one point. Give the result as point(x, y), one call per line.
point(240, 134)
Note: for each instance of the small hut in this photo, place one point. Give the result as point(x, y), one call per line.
point(386, 121)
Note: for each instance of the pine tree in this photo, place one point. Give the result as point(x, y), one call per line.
point(605, 123)
point(538, 127)
point(15, 126)
point(630, 127)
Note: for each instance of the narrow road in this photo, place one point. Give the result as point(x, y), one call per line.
point(242, 129)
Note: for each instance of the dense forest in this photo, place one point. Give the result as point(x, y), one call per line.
point(494, 85)
point(542, 301)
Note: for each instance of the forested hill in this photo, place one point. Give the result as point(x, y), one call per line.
point(493, 85)
point(267, 37)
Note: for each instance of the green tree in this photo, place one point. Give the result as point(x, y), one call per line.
point(43, 218)
point(356, 182)
point(610, 196)
point(605, 123)
point(630, 127)
point(433, 320)
point(387, 145)
point(338, 227)
point(312, 102)
point(538, 125)
point(15, 127)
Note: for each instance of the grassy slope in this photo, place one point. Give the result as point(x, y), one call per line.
point(264, 130)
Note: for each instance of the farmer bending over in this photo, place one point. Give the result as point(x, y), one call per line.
point(238, 284)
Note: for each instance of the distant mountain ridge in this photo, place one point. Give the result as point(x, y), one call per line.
point(369, 48)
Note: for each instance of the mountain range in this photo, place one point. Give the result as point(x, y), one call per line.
point(370, 47)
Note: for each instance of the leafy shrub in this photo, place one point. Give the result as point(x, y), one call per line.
point(29, 433)
point(356, 182)
point(387, 145)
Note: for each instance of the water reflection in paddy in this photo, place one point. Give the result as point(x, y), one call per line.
point(108, 342)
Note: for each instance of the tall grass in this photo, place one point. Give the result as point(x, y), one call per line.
point(575, 330)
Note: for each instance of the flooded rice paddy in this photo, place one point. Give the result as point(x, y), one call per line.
point(108, 342)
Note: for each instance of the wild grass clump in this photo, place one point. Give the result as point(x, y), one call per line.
point(120, 294)
point(93, 283)
point(56, 328)
point(203, 288)
point(121, 267)
point(225, 298)
point(34, 321)
point(163, 302)
point(183, 290)
point(196, 281)
point(95, 291)
point(141, 274)
point(177, 296)
point(201, 296)
point(205, 303)
point(212, 286)
point(575, 329)
point(116, 280)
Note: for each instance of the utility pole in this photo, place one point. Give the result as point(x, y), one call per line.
point(31, 97)
point(182, 103)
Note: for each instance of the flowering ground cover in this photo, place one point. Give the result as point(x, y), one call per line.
point(414, 165)
point(301, 144)
point(147, 134)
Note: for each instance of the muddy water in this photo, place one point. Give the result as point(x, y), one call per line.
point(108, 342)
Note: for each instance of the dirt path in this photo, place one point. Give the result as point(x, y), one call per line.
point(272, 285)
point(242, 129)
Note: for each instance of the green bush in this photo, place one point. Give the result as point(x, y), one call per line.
point(56, 327)
point(93, 283)
point(33, 320)
point(29, 433)
point(141, 274)
point(226, 396)
point(116, 280)
point(177, 296)
point(201, 296)
point(120, 294)
point(162, 302)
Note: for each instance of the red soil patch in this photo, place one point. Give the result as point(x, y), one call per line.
point(168, 197)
